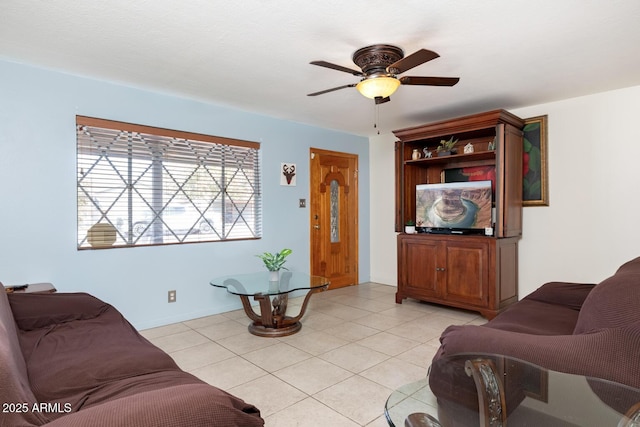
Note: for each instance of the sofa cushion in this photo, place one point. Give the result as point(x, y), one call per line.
point(613, 302)
point(14, 382)
point(536, 318)
point(197, 405)
point(569, 295)
point(95, 359)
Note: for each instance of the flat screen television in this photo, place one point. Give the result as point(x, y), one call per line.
point(454, 207)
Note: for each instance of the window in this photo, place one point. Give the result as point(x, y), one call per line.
point(152, 186)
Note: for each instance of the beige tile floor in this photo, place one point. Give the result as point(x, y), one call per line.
point(355, 348)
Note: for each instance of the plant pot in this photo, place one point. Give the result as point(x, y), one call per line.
point(410, 229)
point(274, 281)
point(274, 276)
point(444, 153)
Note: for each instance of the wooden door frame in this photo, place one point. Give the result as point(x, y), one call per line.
point(356, 234)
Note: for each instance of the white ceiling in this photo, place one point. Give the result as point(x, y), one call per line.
point(254, 54)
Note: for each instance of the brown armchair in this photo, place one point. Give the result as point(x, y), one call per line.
point(583, 329)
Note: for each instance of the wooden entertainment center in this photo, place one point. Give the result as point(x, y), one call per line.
point(473, 272)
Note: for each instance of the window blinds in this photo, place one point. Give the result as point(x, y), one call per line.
point(140, 185)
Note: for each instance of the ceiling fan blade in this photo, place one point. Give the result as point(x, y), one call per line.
point(381, 100)
point(408, 62)
point(337, 67)
point(331, 90)
point(429, 81)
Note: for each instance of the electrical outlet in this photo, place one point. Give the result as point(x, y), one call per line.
point(172, 296)
point(302, 203)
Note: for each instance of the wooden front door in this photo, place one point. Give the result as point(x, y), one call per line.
point(334, 216)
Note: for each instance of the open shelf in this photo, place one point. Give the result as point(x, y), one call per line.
point(464, 157)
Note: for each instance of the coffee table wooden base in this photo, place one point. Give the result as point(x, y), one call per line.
point(273, 322)
point(262, 331)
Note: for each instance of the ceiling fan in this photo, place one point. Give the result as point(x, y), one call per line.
point(380, 65)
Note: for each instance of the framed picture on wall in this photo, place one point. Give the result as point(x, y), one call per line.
point(535, 186)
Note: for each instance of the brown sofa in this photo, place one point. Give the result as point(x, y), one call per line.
point(583, 329)
point(73, 360)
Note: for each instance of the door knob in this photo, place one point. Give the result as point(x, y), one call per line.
point(317, 227)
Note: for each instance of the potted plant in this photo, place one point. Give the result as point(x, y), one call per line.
point(410, 227)
point(446, 147)
point(274, 262)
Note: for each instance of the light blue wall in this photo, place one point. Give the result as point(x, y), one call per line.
point(38, 195)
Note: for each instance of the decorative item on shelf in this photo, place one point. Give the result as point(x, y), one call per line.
point(446, 147)
point(415, 155)
point(410, 227)
point(492, 145)
point(101, 235)
point(274, 263)
point(468, 148)
point(427, 154)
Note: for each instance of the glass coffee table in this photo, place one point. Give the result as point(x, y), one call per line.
point(495, 390)
point(272, 322)
point(411, 406)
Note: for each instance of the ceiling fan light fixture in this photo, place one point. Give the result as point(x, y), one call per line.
point(378, 86)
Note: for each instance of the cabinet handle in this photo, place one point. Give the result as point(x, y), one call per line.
point(440, 269)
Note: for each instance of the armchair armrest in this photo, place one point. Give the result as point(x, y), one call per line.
point(607, 353)
point(34, 311)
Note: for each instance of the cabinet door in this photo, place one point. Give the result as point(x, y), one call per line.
point(419, 276)
point(509, 182)
point(467, 272)
point(399, 183)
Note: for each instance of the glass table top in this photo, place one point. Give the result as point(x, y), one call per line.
point(528, 394)
point(264, 283)
point(412, 398)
